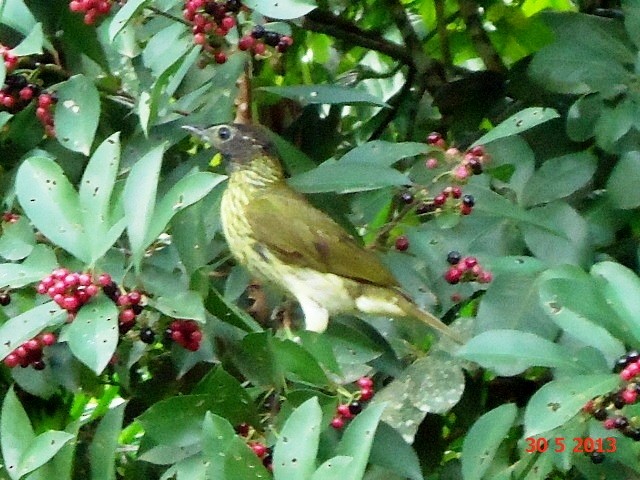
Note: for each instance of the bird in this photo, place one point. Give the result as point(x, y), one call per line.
point(279, 237)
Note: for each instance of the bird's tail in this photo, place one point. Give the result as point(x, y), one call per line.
point(412, 310)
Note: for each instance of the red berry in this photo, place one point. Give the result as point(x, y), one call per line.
point(456, 192)
point(465, 209)
point(433, 138)
point(453, 275)
point(258, 448)
point(104, 7)
point(246, 42)
point(134, 297)
point(76, 6)
point(32, 345)
point(90, 17)
point(365, 382)
point(192, 346)
point(609, 424)
point(477, 151)
point(127, 315)
point(220, 57)
point(337, 422)
point(259, 48)
point(629, 396)
point(84, 279)
point(71, 280)
point(26, 94)
point(48, 339)
point(485, 277)
point(92, 290)
point(242, 429)
point(123, 300)
point(199, 39)
point(402, 243)
point(176, 336)
point(366, 393)
point(228, 23)
point(439, 200)
point(21, 352)
point(11, 360)
point(104, 279)
point(431, 163)
point(70, 303)
point(470, 262)
point(196, 336)
point(343, 411)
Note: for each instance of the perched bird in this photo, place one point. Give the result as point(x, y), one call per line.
point(280, 237)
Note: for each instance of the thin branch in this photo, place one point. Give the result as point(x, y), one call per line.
point(443, 37)
point(469, 10)
point(324, 22)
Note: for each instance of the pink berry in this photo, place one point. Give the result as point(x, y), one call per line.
point(365, 382)
point(84, 279)
point(134, 297)
point(485, 277)
point(461, 172)
point(71, 280)
point(452, 152)
point(470, 262)
point(431, 163)
point(104, 279)
point(48, 339)
point(258, 448)
point(76, 6)
point(70, 303)
point(92, 290)
point(633, 368)
point(366, 393)
point(228, 23)
point(609, 424)
point(60, 273)
point(337, 423)
point(246, 42)
point(26, 94)
point(11, 360)
point(59, 299)
point(41, 289)
point(453, 275)
point(439, 200)
point(123, 300)
point(196, 336)
point(21, 352)
point(343, 411)
point(629, 396)
point(32, 345)
point(127, 315)
point(259, 48)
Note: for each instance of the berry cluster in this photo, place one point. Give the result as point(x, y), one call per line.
point(465, 269)
point(30, 352)
point(45, 103)
point(92, 9)
point(608, 408)
point(463, 165)
point(70, 290)
point(10, 217)
point(465, 205)
point(347, 411)
point(10, 60)
point(129, 303)
point(259, 38)
point(185, 333)
point(17, 93)
point(212, 21)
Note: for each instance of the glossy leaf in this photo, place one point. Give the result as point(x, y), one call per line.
point(295, 451)
point(336, 468)
point(184, 305)
point(17, 240)
point(623, 181)
point(483, 439)
point(326, 94)
point(96, 188)
point(16, 433)
point(621, 288)
point(52, 204)
point(510, 352)
point(518, 123)
point(185, 192)
point(391, 451)
point(575, 170)
point(27, 325)
point(123, 16)
point(41, 450)
point(558, 401)
point(93, 335)
point(241, 462)
point(32, 43)
point(381, 153)
point(76, 113)
point(347, 178)
point(104, 444)
point(140, 198)
point(281, 9)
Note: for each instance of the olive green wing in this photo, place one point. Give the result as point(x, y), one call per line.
point(297, 233)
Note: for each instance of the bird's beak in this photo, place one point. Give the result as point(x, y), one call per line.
point(198, 131)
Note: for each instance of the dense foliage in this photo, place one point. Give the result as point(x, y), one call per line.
point(133, 346)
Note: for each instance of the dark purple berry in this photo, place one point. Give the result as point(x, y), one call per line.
point(425, 207)
point(137, 309)
point(621, 422)
point(597, 457)
point(407, 197)
point(355, 408)
point(5, 299)
point(468, 200)
point(600, 414)
point(271, 38)
point(453, 257)
point(476, 166)
point(38, 365)
point(147, 335)
point(258, 32)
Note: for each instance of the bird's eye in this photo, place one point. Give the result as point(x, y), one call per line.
point(224, 133)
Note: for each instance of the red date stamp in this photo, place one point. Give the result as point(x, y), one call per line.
point(579, 444)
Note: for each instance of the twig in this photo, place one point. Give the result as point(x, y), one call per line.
point(469, 10)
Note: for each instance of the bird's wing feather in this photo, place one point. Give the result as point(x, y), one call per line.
point(299, 234)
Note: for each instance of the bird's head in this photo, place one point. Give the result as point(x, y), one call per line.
point(240, 145)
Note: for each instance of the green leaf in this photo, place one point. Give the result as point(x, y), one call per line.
point(123, 16)
point(518, 123)
point(483, 439)
point(326, 94)
point(560, 400)
point(42, 449)
point(39, 264)
point(575, 170)
point(76, 113)
point(358, 438)
point(103, 446)
point(440, 375)
point(31, 44)
point(622, 185)
point(347, 178)
point(242, 463)
point(93, 335)
point(27, 325)
point(186, 305)
point(96, 188)
point(391, 451)
point(510, 352)
point(336, 468)
point(295, 451)
point(139, 199)
point(16, 15)
point(613, 123)
point(52, 204)
point(185, 192)
point(383, 154)
point(582, 117)
point(581, 316)
point(298, 364)
point(17, 240)
point(16, 433)
point(621, 289)
point(217, 435)
point(281, 9)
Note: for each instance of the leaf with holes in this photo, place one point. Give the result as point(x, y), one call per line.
point(93, 335)
point(518, 123)
point(52, 204)
point(16, 433)
point(281, 9)
point(76, 113)
point(36, 266)
point(295, 451)
point(41, 450)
